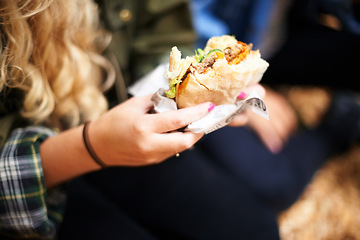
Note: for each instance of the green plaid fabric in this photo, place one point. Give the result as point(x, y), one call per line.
point(27, 209)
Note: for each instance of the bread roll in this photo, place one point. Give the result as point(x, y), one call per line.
point(216, 74)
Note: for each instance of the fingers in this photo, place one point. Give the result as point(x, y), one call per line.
point(284, 123)
point(175, 142)
point(284, 118)
point(257, 87)
point(275, 132)
point(240, 120)
point(141, 104)
point(267, 133)
point(271, 139)
point(173, 120)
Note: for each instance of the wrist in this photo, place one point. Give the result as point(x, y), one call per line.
point(64, 157)
point(89, 148)
point(98, 137)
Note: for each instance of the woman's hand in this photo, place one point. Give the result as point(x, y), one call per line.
point(125, 136)
point(281, 124)
point(243, 118)
point(128, 136)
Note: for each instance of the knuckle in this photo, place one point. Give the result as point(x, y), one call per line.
point(179, 121)
point(138, 127)
point(142, 149)
point(186, 143)
point(145, 151)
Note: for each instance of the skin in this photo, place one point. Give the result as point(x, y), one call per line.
point(243, 118)
point(282, 122)
point(126, 135)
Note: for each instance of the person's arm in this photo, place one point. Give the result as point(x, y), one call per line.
point(64, 156)
point(125, 136)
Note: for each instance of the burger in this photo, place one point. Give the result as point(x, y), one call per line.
point(218, 73)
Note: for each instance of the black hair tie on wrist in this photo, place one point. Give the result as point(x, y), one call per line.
point(89, 148)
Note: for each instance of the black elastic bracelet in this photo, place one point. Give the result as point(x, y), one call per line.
point(89, 148)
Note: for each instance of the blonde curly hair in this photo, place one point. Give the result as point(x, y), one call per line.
point(50, 50)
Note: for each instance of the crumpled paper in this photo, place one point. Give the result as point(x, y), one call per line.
point(219, 117)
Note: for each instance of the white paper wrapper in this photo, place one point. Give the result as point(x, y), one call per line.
point(151, 82)
point(219, 117)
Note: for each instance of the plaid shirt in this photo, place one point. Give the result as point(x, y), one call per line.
point(27, 208)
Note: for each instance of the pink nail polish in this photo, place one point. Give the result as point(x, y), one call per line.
point(242, 96)
point(211, 107)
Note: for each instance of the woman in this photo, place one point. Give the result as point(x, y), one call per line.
point(51, 80)
point(229, 186)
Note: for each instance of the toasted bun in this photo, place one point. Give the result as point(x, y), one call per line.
point(218, 80)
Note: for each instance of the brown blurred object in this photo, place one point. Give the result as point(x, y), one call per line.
point(329, 208)
point(311, 103)
point(330, 21)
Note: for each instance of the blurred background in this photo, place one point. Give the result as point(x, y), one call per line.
point(312, 47)
point(308, 42)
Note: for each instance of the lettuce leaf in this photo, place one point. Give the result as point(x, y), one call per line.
point(171, 93)
point(199, 54)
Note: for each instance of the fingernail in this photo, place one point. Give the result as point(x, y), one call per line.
point(242, 96)
point(211, 107)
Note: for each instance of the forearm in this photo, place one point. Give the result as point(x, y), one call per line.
point(64, 157)
point(124, 136)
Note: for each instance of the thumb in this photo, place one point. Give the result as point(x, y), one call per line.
point(140, 104)
point(256, 87)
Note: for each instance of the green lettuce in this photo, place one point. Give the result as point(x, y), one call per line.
point(200, 54)
point(171, 93)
